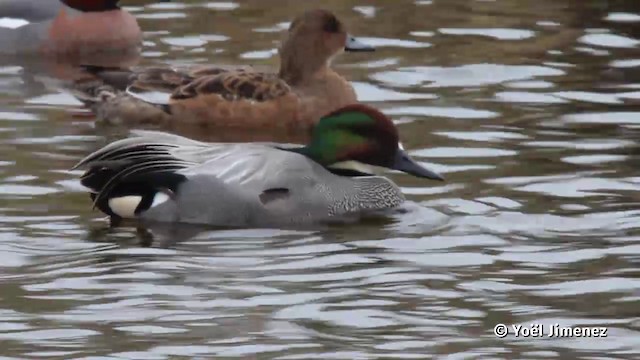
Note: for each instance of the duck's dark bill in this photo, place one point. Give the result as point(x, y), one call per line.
point(403, 162)
point(354, 44)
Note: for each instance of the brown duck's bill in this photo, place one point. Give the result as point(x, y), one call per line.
point(354, 44)
point(403, 162)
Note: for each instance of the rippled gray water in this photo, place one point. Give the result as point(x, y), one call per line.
point(530, 108)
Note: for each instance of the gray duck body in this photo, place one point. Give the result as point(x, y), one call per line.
point(231, 184)
point(39, 14)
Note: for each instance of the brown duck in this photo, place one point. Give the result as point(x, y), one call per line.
point(304, 89)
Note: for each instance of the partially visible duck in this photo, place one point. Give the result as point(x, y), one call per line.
point(66, 27)
point(167, 178)
point(304, 88)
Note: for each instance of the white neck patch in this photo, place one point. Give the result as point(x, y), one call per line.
point(354, 165)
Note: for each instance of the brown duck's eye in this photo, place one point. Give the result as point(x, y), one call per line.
point(293, 24)
point(332, 25)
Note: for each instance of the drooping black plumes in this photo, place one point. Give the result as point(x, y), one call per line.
point(132, 167)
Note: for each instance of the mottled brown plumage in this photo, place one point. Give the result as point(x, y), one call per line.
point(234, 86)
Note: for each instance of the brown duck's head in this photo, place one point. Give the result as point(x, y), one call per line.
point(312, 39)
point(92, 5)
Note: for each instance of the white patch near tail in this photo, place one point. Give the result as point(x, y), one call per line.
point(12, 23)
point(125, 206)
point(159, 198)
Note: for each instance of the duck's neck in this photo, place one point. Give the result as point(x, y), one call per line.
point(299, 66)
point(311, 153)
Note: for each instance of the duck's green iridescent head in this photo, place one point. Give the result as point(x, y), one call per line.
point(363, 134)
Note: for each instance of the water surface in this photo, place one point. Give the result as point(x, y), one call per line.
point(531, 109)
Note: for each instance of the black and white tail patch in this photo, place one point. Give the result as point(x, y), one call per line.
point(130, 206)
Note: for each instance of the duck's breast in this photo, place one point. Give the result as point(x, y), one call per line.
point(364, 194)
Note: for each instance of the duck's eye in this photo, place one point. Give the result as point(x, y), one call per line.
point(293, 25)
point(331, 25)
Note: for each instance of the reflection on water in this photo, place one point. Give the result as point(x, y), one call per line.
point(531, 112)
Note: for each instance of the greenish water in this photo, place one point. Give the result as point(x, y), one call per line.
point(531, 109)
